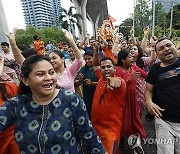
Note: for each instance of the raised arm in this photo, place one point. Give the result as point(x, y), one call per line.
point(144, 40)
point(16, 52)
point(95, 60)
point(71, 41)
point(1, 65)
point(115, 47)
point(81, 44)
point(133, 39)
point(102, 39)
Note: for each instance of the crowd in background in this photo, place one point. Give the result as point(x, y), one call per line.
point(88, 95)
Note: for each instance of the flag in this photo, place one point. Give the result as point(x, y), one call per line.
point(111, 19)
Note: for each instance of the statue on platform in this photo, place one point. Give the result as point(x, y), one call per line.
point(107, 30)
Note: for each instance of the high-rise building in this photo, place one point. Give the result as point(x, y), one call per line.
point(167, 4)
point(41, 13)
point(3, 25)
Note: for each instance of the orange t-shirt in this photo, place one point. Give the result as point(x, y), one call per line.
point(108, 53)
point(37, 47)
point(106, 112)
point(7, 141)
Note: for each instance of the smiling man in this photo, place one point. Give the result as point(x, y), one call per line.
point(165, 76)
point(107, 105)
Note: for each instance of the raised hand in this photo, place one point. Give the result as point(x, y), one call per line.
point(146, 31)
point(67, 34)
point(119, 36)
point(11, 37)
point(153, 41)
point(132, 31)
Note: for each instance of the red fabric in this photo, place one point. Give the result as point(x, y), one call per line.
point(106, 114)
point(111, 19)
point(132, 122)
point(7, 142)
point(108, 53)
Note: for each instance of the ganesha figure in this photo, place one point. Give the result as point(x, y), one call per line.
point(107, 30)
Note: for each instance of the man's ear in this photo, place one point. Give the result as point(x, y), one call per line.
point(25, 81)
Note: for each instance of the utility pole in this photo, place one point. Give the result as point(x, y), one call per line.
point(153, 22)
point(134, 5)
point(170, 33)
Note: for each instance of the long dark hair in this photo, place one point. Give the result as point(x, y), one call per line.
point(27, 68)
point(122, 56)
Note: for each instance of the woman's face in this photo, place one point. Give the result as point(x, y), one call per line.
point(88, 60)
point(42, 79)
point(134, 52)
point(56, 60)
point(128, 61)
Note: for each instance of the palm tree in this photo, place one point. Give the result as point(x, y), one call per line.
point(69, 20)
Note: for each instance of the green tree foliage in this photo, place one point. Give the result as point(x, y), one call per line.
point(68, 19)
point(125, 27)
point(25, 36)
point(143, 17)
point(176, 17)
point(160, 16)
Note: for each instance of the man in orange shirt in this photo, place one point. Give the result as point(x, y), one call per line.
point(107, 104)
point(37, 46)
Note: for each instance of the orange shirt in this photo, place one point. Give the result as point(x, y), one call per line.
point(108, 53)
point(106, 112)
point(37, 47)
point(7, 142)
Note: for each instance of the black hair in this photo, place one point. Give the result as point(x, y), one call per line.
point(28, 52)
point(106, 58)
point(139, 61)
point(88, 53)
point(27, 68)
point(22, 47)
point(162, 39)
point(35, 37)
point(4, 44)
point(60, 54)
point(109, 40)
point(122, 56)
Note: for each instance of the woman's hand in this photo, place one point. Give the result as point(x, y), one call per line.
point(67, 35)
point(87, 82)
point(11, 37)
point(135, 75)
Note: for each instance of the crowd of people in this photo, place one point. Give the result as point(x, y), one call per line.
point(88, 96)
